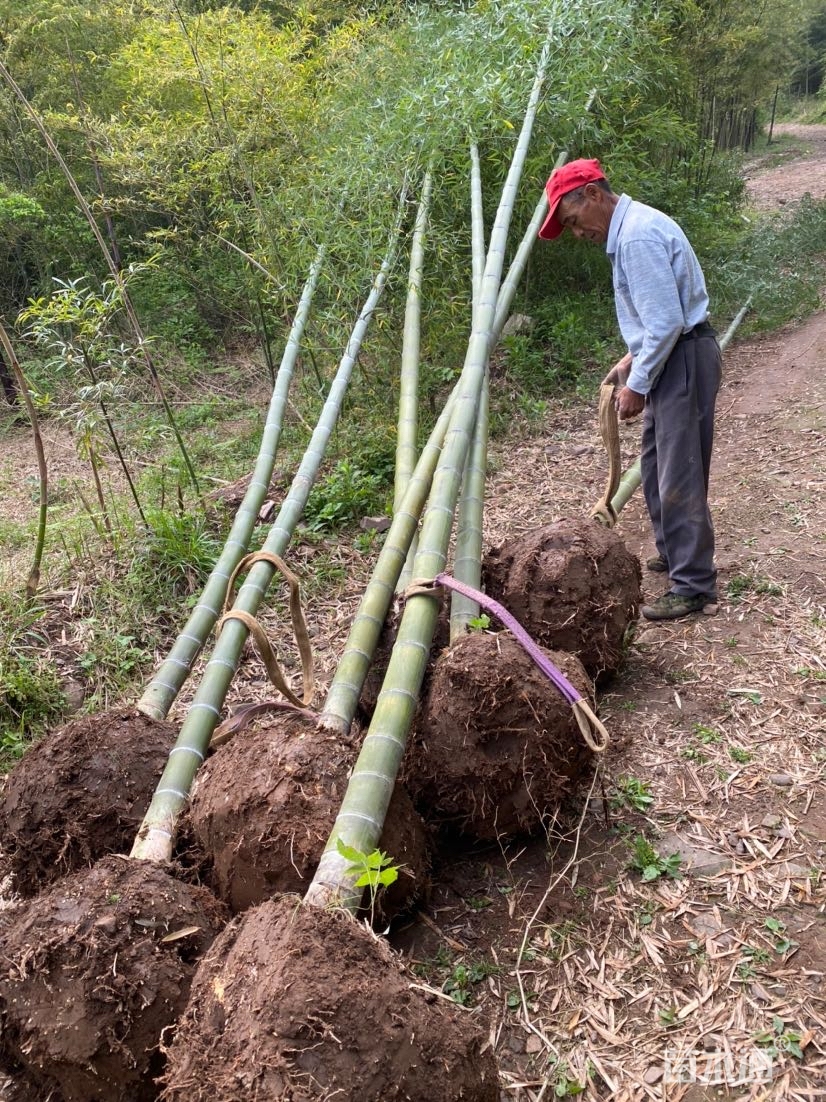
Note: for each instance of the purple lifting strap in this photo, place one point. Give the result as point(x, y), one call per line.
point(501, 613)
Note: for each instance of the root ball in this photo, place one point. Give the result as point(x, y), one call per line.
point(300, 1004)
point(573, 585)
point(94, 970)
point(263, 807)
point(79, 793)
point(496, 746)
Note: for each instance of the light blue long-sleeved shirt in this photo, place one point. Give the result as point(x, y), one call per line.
point(659, 288)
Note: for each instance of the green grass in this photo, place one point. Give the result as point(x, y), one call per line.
point(31, 690)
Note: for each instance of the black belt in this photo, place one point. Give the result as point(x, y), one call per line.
point(701, 330)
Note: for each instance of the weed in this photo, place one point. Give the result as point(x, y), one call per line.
point(780, 1039)
point(479, 623)
point(668, 1016)
point(739, 755)
point(633, 794)
point(366, 542)
point(810, 672)
point(174, 557)
point(479, 902)
point(461, 981)
point(647, 912)
point(691, 753)
point(782, 944)
point(705, 734)
point(31, 693)
point(348, 493)
point(741, 584)
point(646, 861)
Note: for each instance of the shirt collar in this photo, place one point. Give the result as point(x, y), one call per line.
point(616, 223)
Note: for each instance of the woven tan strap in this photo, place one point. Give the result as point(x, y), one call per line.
point(604, 511)
point(246, 713)
point(262, 643)
point(588, 723)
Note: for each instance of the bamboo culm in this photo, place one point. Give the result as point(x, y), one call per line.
point(361, 818)
point(351, 671)
point(156, 835)
point(467, 561)
point(160, 694)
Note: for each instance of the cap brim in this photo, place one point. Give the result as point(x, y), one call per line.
point(551, 228)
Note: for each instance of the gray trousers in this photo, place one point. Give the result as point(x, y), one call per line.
point(677, 436)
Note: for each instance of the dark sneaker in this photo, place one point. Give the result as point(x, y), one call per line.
point(657, 564)
point(671, 606)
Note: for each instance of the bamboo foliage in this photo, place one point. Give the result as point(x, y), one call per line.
point(156, 835)
point(361, 818)
point(43, 474)
point(164, 687)
point(120, 283)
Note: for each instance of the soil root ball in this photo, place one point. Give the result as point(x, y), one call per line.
point(79, 793)
point(496, 746)
point(297, 1004)
point(263, 807)
point(92, 973)
point(573, 585)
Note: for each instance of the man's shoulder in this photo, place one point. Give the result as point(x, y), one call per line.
point(642, 222)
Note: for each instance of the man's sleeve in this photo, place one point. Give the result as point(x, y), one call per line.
point(653, 292)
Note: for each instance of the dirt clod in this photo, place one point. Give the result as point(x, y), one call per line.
point(79, 793)
point(496, 746)
point(263, 807)
point(88, 982)
point(331, 1014)
point(573, 585)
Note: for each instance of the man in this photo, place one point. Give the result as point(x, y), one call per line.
point(672, 369)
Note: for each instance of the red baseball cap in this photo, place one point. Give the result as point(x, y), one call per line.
point(569, 177)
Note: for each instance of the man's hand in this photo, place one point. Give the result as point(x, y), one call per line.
point(618, 375)
point(629, 404)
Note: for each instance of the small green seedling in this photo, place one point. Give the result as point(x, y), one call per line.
point(632, 793)
point(375, 870)
point(464, 977)
point(782, 943)
point(650, 865)
point(739, 755)
point(479, 623)
point(780, 1039)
